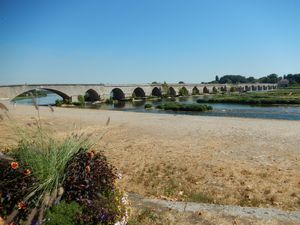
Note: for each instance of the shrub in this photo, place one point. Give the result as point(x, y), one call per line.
point(215, 90)
point(90, 182)
point(195, 91)
point(67, 101)
point(232, 89)
point(14, 186)
point(148, 106)
point(183, 92)
point(59, 102)
point(81, 100)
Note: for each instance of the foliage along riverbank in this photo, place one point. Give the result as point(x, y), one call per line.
point(175, 106)
point(172, 105)
point(279, 96)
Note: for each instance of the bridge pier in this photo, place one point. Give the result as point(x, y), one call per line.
point(74, 98)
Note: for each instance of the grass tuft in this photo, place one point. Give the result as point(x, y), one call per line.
point(200, 197)
point(47, 158)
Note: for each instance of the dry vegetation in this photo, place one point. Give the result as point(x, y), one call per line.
point(244, 162)
point(205, 174)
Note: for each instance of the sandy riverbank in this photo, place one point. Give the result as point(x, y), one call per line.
point(249, 162)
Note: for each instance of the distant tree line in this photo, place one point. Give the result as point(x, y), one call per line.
point(292, 78)
point(272, 78)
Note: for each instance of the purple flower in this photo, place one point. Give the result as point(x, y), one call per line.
point(8, 196)
point(103, 217)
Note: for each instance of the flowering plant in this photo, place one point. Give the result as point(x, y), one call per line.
point(43, 171)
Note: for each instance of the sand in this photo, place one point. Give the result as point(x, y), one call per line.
point(239, 161)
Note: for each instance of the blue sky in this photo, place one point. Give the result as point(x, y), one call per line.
point(140, 41)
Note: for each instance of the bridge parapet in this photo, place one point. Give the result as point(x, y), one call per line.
point(103, 91)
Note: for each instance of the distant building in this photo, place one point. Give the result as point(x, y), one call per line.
point(283, 83)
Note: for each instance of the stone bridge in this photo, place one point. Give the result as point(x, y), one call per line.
point(96, 92)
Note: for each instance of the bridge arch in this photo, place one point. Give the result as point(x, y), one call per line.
point(156, 92)
point(240, 88)
point(117, 94)
point(247, 88)
point(183, 91)
point(224, 88)
point(214, 90)
point(171, 92)
point(59, 93)
point(138, 93)
point(91, 96)
point(195, 91)
point(254, 88)
point(205, 90)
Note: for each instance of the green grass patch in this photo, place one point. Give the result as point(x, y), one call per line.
point(175, 106)
point(64, 213)
point(200, 197)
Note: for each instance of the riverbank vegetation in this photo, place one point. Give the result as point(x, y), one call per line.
point(279, 96)
point(175, 106)
point(148, 106)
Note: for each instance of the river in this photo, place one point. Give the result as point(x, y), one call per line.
point(287, 112)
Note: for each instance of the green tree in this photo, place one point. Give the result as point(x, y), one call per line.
point(251, 80)
point(272, 78)
point(195, 91)
point(165, 89)
point(217, 79)
point(215, 90)
point(234, 79)
point(81, 100)
point(232, 89)
point(183, 92)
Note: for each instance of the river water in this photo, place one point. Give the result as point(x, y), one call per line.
point(287, 112)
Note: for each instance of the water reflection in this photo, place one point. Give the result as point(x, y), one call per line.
point(45, 100)
point(119, 104)
point(288, 112)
